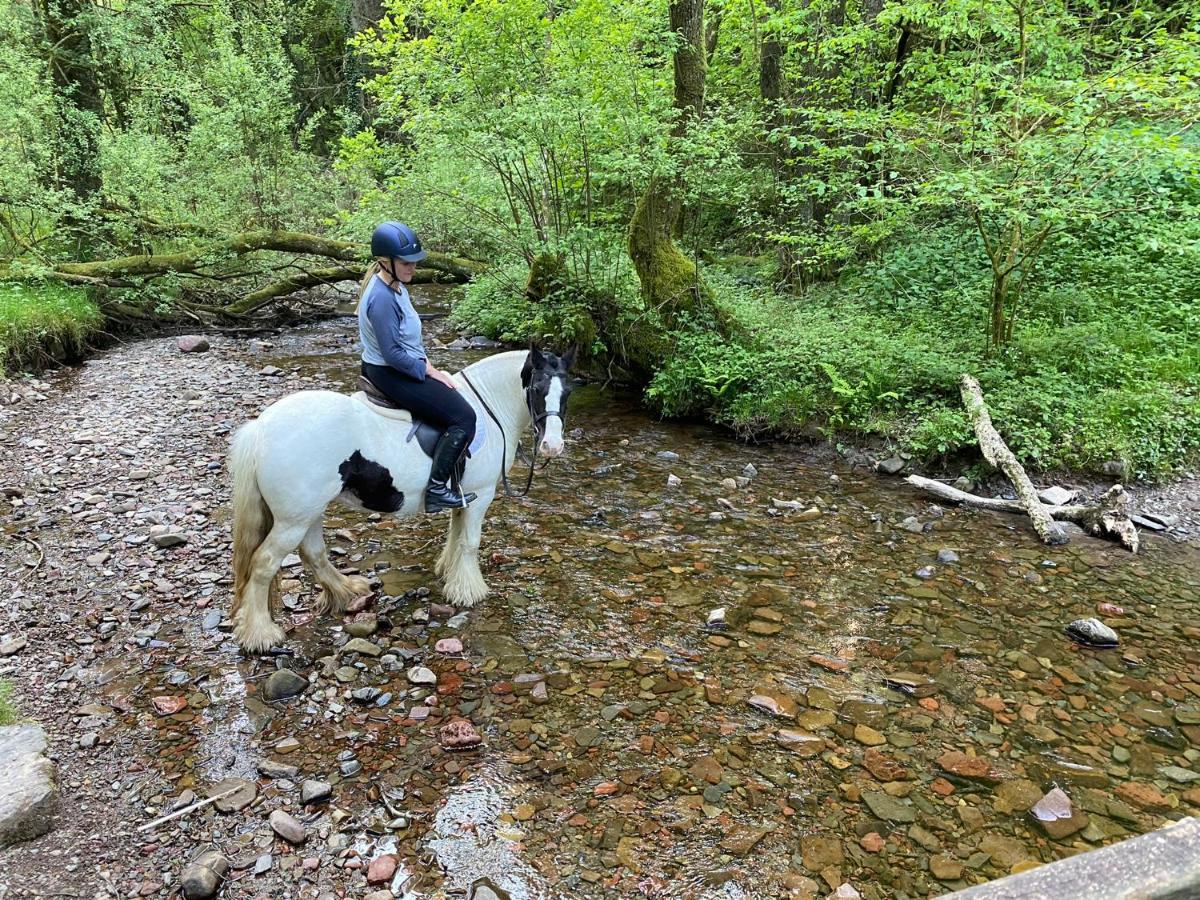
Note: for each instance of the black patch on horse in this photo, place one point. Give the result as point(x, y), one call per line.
point(371, 483)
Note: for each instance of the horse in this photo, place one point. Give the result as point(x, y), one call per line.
point(313, 447)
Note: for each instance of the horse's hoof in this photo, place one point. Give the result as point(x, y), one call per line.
point(260, 639)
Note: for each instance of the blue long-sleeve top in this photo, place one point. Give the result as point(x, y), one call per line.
point(390, 329)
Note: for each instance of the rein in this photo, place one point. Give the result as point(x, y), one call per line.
point(534, 419)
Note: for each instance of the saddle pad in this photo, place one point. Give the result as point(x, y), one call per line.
point(482, 420)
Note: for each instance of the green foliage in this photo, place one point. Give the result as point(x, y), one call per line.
point(51, 316)
point(8, 711)
point(1106, 366)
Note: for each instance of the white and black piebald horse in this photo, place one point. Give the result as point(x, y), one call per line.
point(312, 447)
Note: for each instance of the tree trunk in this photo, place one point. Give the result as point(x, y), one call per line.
point(77, 95)
point(671, 287)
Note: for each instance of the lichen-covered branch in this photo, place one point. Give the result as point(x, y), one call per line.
point(996, 452)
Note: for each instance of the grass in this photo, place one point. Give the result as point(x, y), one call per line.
point(8, 712)
point(43, 320)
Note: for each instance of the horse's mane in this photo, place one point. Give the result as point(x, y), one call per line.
point(490, 364)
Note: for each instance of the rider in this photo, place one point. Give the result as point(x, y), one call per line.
point(395, 361)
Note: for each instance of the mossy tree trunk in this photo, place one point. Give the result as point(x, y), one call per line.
point(671, 286)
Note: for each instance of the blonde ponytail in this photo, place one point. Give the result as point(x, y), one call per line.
point(372, 271)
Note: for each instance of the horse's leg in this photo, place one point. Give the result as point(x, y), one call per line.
point(464, 582)
point(338, 589)
point(253, 625)
point(453, 536)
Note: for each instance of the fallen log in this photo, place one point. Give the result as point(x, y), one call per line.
point(1107, 517)
point(996, 452)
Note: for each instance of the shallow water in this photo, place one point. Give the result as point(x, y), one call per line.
point(621, 752)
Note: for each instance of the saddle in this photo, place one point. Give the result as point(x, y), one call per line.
point(427, 435)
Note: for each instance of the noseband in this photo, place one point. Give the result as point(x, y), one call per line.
point(536, 419)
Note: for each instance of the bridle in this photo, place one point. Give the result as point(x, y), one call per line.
point(535, 419)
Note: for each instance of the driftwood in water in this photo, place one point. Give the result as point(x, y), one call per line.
point(1107, 517)
point(996, 452)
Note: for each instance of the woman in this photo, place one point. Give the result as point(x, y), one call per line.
point(395, 361)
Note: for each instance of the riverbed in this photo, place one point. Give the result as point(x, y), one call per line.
point(705, 669)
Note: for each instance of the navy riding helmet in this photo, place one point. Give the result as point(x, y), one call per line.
point(397, 239)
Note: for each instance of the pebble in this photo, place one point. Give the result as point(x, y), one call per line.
point(421, 675)
point(381, 869)
point(288, 827)
point(312, 791)
point(947, 557)
point(282, 684)
point(1092, 633)
point(448, 646)
point(202, 877)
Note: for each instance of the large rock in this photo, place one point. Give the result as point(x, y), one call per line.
point(28, 796)
point(283, 684)
point(202, 877)
point(191, 343)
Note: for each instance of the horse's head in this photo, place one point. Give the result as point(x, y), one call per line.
point(547, 387)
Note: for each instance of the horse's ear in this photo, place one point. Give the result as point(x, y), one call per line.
point(535, 356)
point(527, 369)
point(568, 359)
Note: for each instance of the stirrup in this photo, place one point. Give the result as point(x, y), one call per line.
point(442, 495)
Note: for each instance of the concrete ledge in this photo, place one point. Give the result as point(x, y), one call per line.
point(1161, 865)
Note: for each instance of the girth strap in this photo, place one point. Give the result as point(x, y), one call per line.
point(508, 491)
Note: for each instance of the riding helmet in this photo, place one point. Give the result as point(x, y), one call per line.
point(397, 239)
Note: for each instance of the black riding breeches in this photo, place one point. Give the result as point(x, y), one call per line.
point(428, 400)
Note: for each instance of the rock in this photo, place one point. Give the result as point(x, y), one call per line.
point(716, 619)
point(802, 743)
point(274, 769)
point(674, 481)
point(192, 343)
point(449, 646)
point(975, 768)
point(28, 795)
point(421, 675)
point(459, 734)
point(270, 371)
point(362, 646)
point(893, 465)
point(1004, 852)
point(883, 767)
point(888, 808)
point(741, 839)
point(16, 645)
point(845, 891)
point(169, 539)
point(382, 869)
point(1017, 796)
point(1091, 633)
point(774, 702)
point(1058, 816)
point(749, 470)
point(864, 734)
point(243, 794)
point(288, 827)
point(872, 842)
point(283, 684)
point(945, 868)
point(167, 706)
point(1144, 796)
point(819, 853)
point(946, 557)
point(312, 791)
point(202, 877)
point(1057, 496)
point(364, 625)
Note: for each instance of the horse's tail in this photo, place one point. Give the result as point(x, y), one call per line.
point(252, 519)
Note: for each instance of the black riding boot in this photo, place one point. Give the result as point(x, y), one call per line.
point(441, 494)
